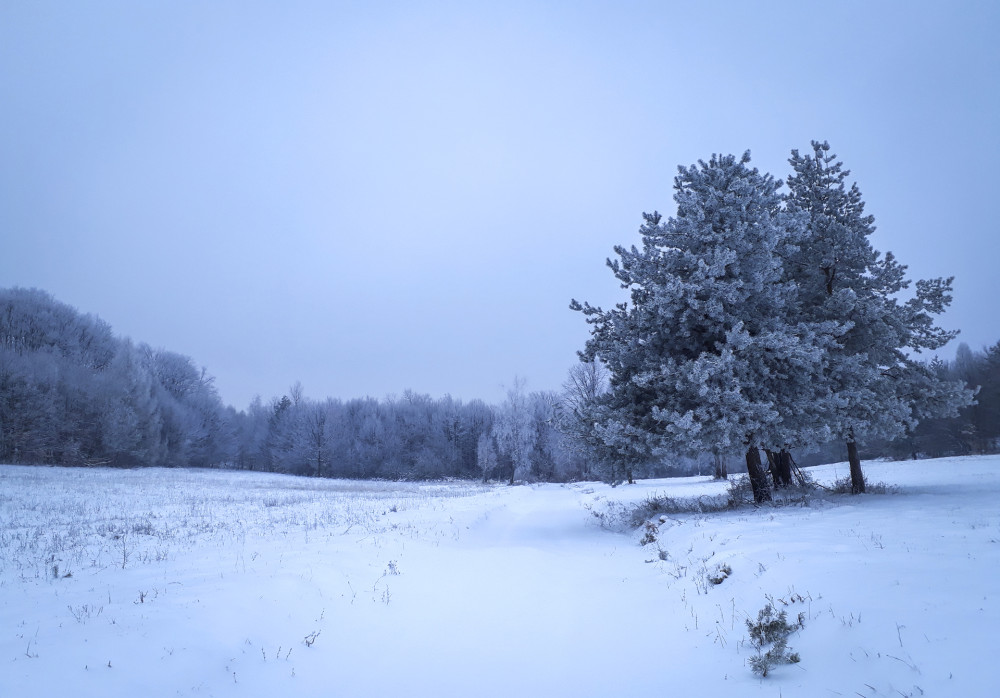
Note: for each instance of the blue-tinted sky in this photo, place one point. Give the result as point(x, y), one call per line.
point(368, 197)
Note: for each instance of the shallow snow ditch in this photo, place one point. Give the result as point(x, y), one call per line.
point(165, 582)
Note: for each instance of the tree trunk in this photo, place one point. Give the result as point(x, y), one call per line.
point(720, 468)
point(857, 477)
point(785, 467)
point(628, 474)
point(758, 477)
point(772, 467)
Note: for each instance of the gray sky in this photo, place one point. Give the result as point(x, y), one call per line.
point(368, 197)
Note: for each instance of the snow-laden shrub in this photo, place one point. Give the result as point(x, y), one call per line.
point(769, 637)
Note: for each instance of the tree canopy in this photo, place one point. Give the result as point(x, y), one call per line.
point(757, 319)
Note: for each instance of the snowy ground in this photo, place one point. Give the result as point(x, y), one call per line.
point(189, 583)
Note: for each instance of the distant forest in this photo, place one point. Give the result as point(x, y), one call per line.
point(73, 393)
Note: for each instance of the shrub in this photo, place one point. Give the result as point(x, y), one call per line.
point(720, 574)
point(740, 492)
point(769, 637)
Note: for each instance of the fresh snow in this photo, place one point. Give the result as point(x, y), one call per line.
point(212, 583)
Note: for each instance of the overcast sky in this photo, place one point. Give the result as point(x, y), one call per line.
point(369, 197)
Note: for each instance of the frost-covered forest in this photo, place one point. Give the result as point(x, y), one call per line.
point(757, 319)
point(73, 393)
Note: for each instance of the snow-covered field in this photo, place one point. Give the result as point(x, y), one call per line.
point(178, 583)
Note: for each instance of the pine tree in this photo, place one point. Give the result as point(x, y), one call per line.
point(877, 388)
point(705, 357)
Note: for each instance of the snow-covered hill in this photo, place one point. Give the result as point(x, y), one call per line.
point(177, 583)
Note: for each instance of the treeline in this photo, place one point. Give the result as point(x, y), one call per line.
point(974, 431)
point(73, 393)
point(407, 438)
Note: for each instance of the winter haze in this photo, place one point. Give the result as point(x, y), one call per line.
point(370, 197)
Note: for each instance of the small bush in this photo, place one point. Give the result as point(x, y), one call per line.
point(769, 637)
point(740, 493)
point(719, 574)
point(650, 535)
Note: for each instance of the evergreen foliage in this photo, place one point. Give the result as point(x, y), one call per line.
point(762, 320)
point(877, 388)
point(712, 353)
point(769, 637)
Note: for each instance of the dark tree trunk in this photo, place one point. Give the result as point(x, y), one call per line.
point(758, 477)
point(772, 467)
point(857, 477)
point(785, 467)
point(628, 475)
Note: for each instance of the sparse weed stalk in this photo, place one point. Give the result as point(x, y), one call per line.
point(611, 516)
point(124, 546)
point(622, 517)
point(741, 494)
point(707, 578)
point(663, 506)
point(843, 486)
point(85, 612)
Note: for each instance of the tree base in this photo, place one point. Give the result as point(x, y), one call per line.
point(758, 477)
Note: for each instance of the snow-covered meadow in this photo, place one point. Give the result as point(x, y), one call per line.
point(177, 582)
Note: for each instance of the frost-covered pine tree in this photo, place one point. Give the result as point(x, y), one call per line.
point(711, 353)
point(877, 389)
